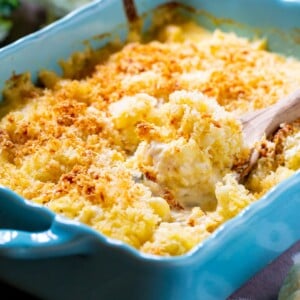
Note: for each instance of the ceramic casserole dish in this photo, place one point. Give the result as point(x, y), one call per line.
point(55, 258)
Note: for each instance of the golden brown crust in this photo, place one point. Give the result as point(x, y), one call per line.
point(67, 146)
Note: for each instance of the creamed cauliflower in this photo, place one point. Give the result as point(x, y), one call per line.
point(143, 146)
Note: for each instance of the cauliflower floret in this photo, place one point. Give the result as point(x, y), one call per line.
point(260, 185)
point(174, 239)
point(128, 112)
point(292, 151)
point(200, 147)
point(232, 197)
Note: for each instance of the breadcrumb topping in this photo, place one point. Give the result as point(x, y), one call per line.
point(142, 148)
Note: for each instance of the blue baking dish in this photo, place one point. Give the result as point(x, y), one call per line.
point(56, 258)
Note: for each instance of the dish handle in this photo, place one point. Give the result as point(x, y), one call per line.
point(60, 240)
point(29, 231)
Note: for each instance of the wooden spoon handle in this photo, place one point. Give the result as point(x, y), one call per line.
point(286, 110)
point(266, 121)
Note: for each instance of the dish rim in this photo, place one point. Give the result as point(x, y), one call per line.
point(203, 248)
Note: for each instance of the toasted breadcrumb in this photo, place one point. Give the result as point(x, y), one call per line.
point(139, 142)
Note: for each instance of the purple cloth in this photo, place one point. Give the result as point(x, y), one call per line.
point(265, 285)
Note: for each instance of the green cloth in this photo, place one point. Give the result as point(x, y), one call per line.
point(290, 289)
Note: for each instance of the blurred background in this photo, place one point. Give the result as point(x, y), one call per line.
point(21, 17)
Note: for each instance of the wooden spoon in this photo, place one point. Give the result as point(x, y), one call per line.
point(262, 123)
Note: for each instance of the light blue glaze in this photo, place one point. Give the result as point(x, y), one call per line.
point(55, 258)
